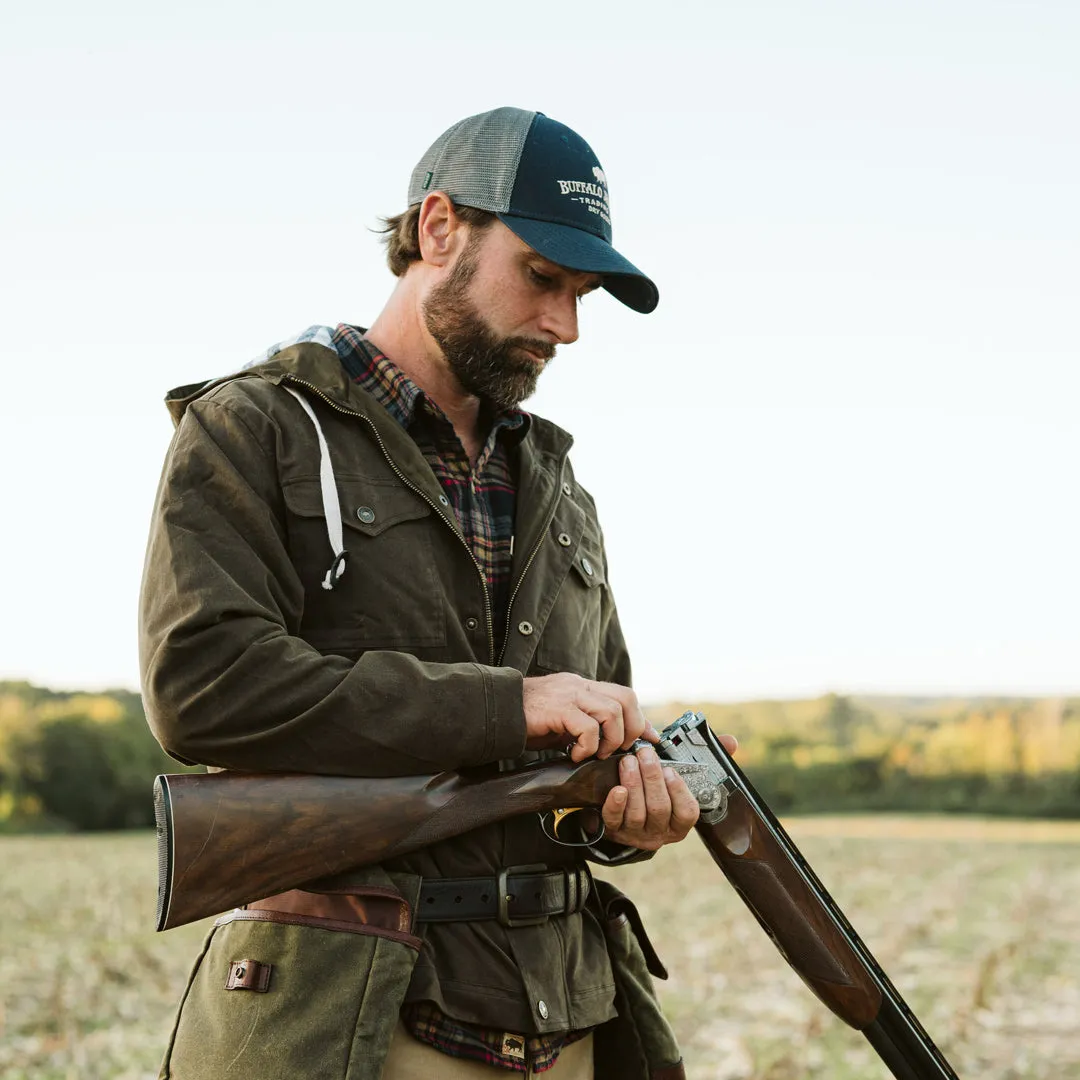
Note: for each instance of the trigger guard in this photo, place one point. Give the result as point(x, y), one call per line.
point(552, 833)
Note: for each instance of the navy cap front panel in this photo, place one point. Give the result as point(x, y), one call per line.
point(560, 179)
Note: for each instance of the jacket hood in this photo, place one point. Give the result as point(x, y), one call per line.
point(309, 362)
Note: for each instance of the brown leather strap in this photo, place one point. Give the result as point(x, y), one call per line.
point(249, 975)
point(372, 905)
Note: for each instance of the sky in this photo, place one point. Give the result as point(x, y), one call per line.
point(842, 453)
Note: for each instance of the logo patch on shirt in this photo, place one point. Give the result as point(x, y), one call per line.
point(513, 1046)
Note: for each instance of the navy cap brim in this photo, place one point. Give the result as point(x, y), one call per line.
point(578, 250)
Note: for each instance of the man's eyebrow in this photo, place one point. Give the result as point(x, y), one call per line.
point(550, 267)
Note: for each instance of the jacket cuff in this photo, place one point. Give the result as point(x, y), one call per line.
point(504, 710)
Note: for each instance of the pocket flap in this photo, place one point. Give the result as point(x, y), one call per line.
point(589, 567)
point(368, 506)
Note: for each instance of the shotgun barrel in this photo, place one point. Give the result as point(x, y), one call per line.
point(777, 884)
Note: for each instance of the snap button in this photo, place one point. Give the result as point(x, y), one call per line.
point(542, 1009)
point(587, 567)
point(565, 488)
point(525, 628)
point(471, 623)
point(564, 539)
point(366, 514)
point(444, 500)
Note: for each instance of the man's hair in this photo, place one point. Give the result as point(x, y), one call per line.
point(401, 234)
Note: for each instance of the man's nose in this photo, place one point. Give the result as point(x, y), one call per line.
point(561, 319)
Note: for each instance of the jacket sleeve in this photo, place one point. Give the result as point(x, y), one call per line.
point(614, 667)
point(613, 664)
point(224, 681)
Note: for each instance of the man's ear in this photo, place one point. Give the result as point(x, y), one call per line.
point(441, 232)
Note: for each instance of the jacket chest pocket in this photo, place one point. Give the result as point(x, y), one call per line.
point(388, 596)
point(571, 637)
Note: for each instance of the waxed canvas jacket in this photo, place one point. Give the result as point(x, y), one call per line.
point(249, 663)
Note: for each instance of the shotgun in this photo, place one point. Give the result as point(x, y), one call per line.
point(226, 839)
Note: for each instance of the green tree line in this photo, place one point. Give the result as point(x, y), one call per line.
point(1008, 756)
point(75, 760)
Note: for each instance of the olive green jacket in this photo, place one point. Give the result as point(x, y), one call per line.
point(249, 663)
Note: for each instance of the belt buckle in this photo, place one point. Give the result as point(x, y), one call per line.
point(504, 916)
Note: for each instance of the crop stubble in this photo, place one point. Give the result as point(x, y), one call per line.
point(976, 923)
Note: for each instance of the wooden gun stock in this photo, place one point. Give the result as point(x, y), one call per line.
point(225, 839)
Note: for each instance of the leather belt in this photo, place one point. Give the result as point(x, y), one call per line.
point(519, 896)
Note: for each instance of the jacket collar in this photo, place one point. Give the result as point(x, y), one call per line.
point(319, 369)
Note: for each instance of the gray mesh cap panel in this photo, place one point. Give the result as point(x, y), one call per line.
point(476, 161)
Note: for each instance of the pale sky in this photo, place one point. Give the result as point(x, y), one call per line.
point(841, 455)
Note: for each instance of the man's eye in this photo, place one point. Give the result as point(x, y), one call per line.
point(538, 278)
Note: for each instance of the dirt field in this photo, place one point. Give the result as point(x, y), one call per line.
point(977, 923)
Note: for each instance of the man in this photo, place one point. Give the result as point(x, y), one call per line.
point(366, 560)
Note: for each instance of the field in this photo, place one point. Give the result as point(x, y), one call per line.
point(976, 922)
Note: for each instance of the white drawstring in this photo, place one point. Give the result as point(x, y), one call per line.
point(331, 504)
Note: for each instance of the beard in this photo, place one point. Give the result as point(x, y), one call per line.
point(494, 369)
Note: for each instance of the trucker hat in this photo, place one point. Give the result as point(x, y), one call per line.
point(544, 183)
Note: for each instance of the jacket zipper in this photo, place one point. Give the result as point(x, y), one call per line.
point(528, 563)
point(409, 484)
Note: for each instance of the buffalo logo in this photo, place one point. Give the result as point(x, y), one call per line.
point(513, 1046)
point(591, 194)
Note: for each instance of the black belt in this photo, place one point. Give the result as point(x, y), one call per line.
point(519, 896)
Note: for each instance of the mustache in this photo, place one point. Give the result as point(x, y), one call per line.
point(542, 348)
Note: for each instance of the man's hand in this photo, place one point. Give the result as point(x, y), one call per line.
point(652, 805)
point(598, 718)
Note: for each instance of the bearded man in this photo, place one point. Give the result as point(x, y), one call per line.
point(367, 560)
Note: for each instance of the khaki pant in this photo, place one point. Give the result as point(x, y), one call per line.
point(410, 1059)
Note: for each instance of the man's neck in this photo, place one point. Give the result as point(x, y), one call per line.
point(400, 334)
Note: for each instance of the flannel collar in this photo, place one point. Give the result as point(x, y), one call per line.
point(374, 372)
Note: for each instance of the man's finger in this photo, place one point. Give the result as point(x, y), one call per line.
point(586, 735)
point(635, 723)
point(655, 789)
point(607, 711)
point(684, 807)
point(613, 809)
point(634, 814)
point(730, 743)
